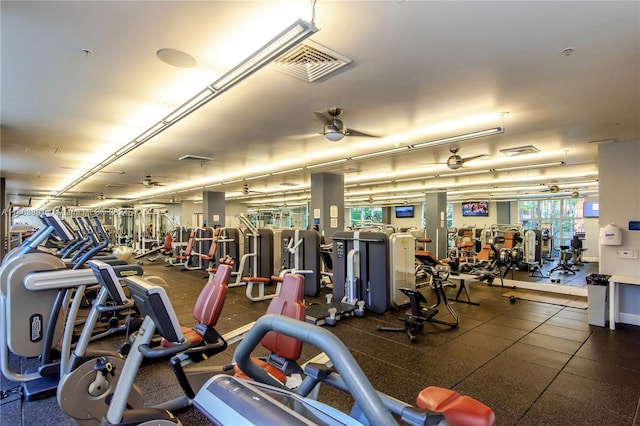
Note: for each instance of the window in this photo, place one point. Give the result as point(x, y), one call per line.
point(528, 212)
point(564, 216)
point(365, 214)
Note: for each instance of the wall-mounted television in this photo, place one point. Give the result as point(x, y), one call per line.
point(475, 208)
point(404, 211)
point(591, 209)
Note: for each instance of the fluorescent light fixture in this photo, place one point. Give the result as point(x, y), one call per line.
point(527, 166)
point(297, 169)
point(466, 136)
point(228, 182)
point(328, 163)
point(380, 153)
point(290, 37)
point(294, 34)
point(128, 147)
point(151, 132)
point(258, 177)
point(191, 105)
point(456, 174)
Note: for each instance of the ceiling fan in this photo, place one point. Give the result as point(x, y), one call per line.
point(101, 197)
point(334, 129)
point(246, 190)
point(150, 183)
point(454, 162)
point(552, 188)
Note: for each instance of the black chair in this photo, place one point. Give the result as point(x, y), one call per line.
point(565, 256)
point(576, 248)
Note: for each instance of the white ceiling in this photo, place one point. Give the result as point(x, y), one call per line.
point(420, 71)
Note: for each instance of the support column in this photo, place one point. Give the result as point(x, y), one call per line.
point(213, 208)
point(4, 223)
point(436, 223)
point(504, 212)
point(326, 210)
point(386, 215)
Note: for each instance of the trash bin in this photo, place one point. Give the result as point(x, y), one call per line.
point(597, 286)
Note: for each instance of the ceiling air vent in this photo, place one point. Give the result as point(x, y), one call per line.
point(310, 61)
point(520, 150)
point(199, 158)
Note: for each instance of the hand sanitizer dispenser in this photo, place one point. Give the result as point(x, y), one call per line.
point(611, 235)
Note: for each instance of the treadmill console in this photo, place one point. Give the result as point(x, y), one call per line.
point(230, 400)
point(152, 301)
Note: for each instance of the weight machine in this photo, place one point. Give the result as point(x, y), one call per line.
point(257, 263)
point(301, 255)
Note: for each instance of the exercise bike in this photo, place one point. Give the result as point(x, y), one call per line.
point(91, 379)
point(418, 315)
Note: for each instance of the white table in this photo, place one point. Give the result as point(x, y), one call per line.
point(614, 303)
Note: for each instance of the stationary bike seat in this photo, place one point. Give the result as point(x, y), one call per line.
point(457, 409)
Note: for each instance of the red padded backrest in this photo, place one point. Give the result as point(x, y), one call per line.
point(192, 236)
point(214, 243)
point(168, 240)
point(289, 303)
point(209, 304)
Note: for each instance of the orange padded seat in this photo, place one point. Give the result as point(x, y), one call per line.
point(458, 410)
point(208, 306)
point(426, 257)
point(485, 253)
point(290, 304)
point(466, 244)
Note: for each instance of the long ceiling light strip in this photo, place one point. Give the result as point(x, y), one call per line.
point(287, 39)
point(380, 153)
point(463, 137)
point(327, 163)
point(436, 142)
point(332, 163)
point(527, 166)
point(355, 181)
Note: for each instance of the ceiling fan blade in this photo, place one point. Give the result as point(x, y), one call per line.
point(323, 118)
point(303, 136)
point(464, 160)
point(351, 132)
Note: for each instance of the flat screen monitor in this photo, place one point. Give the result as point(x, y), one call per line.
point(404, 211)
point(475, 208)
point(591, 209)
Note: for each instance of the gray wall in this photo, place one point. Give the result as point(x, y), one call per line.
point(619, 174)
